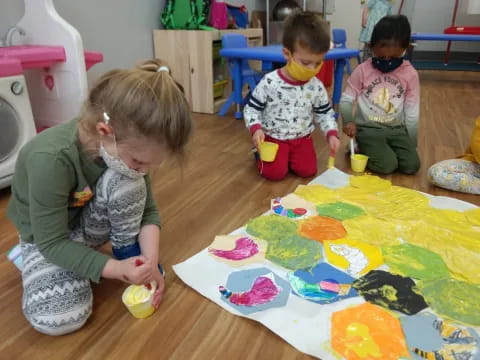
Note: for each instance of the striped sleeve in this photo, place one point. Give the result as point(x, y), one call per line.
point(412, 106)
point(323, 113)
point(253, 111)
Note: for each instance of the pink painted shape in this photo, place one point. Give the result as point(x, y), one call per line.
point(330, 286)
point(244, 249)
point(263, 291)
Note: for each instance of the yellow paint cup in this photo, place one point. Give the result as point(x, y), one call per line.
point(268, 151)
point(138, 300)
point(358, 162)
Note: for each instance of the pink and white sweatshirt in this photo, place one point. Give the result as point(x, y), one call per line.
point(384, 99)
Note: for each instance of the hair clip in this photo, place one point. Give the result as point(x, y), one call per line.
point(106, 118)
point(163, 68)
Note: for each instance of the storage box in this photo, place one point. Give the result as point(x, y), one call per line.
point(216, 47)
point(218, 88)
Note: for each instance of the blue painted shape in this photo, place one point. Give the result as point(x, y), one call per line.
point(322, 272)
point(241, 281)
point(420, 332)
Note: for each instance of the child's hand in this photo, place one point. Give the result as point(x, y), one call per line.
point(157, 296)
point(258, 137)
point(333, 143)
point(136, 270)
point(350, 129)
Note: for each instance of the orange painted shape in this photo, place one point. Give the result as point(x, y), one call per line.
point(367, 332)
point(321, 228)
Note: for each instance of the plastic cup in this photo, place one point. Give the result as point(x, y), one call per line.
point(358, 163)
point(138, 300)
point(268, 151)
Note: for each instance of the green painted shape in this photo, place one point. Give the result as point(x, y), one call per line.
point(339, 210)
point(272, 228)
point(294, 252)
point(415, 261)
point(454, 299)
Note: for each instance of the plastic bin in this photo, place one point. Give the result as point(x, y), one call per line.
point(218, 88)
point(216, 47)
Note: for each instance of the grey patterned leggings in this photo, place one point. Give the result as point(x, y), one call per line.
point(57, 301)
point(457, 175)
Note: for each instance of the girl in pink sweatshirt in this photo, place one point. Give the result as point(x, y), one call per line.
point(387, 90)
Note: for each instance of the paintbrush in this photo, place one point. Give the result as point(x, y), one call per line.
point(331, 160)
point(352, 148)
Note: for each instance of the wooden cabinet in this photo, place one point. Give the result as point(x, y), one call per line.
point(190, 54)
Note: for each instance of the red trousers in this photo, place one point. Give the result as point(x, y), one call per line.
point(297, 155)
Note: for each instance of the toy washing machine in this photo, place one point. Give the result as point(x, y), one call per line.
point(16, 123)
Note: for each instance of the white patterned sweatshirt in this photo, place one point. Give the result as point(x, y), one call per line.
point(287, 110)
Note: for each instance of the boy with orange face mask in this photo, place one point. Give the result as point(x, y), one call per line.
point(285, 104)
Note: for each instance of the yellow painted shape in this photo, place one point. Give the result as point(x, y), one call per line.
point(390, 211)
point(460, 250)
point(358, 257)
point(445, 217)
point(370, 183)
point(398, 203)
point(473, 216)
point(445, 222)
point(316, 193)
point(362, 343)
point(399, 195)
point(356, 195)
point(389, 292)
point(375, 231)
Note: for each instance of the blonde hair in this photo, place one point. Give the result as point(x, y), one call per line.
point(144, 101)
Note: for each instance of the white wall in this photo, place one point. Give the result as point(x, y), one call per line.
point(120, 29)
point(434, 16)
point(425, 16)
point(348, 15)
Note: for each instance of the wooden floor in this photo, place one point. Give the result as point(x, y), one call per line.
point(217, 191)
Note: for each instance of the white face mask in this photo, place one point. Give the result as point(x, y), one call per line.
point(117, 164)
point(114, 162)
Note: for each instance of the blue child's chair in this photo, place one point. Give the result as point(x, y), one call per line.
point(339, 38)
point(249, 76)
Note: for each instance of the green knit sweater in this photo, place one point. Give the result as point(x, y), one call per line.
point(54, 178)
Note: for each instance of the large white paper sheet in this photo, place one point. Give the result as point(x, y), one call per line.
point(303, 324)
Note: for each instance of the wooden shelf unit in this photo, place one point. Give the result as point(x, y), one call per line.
point(190, 56)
